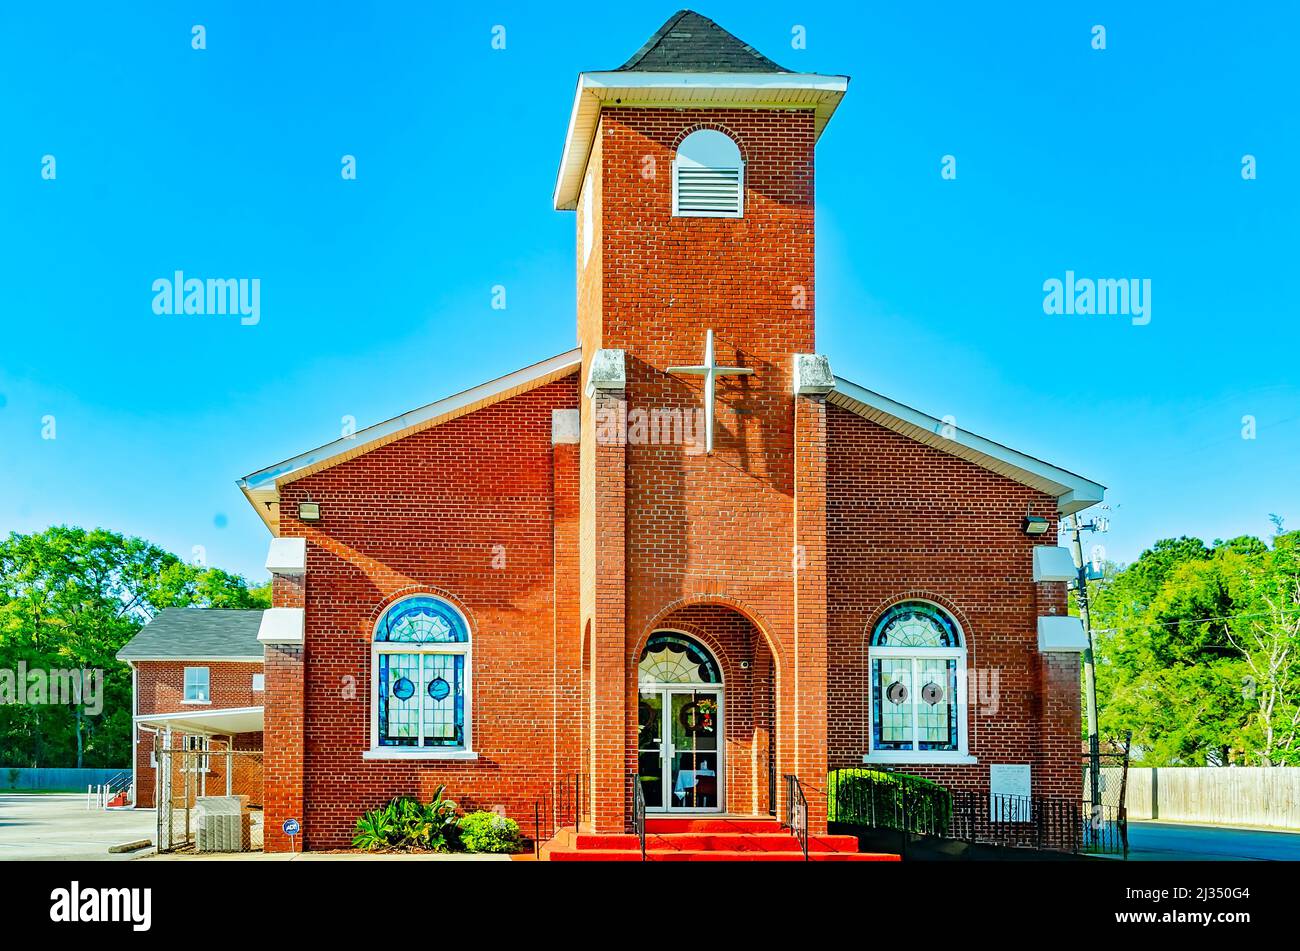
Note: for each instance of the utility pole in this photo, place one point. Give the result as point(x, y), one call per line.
point(1089, 666)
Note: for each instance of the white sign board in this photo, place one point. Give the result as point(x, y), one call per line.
point(1009, 791)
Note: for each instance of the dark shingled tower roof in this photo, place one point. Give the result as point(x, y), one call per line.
point(690, 43)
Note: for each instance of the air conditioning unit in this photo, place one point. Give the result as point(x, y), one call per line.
point(223, 824)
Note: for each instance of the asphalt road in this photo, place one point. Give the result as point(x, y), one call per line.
point(1174, 842)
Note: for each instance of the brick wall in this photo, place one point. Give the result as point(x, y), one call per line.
point(428, 514)
point(906, 520)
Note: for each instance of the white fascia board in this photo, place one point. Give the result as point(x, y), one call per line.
point(282, 626)
point(271, 476)
point(1053, 563)
point(634, 79)
point(287, 556)
point(594, 88)
point(1061, 635)
point(1073, 492)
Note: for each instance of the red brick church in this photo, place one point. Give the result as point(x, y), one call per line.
point(684, 556)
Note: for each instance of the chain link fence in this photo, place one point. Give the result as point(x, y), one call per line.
point(209, 797)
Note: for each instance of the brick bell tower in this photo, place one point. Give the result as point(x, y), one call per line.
point(703, 426)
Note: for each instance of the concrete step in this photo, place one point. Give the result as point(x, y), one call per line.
point(719, 841)
point(716, 824)
point(625, 855)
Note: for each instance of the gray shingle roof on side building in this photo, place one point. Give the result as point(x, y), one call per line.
point(690, 43)
point(181, 633)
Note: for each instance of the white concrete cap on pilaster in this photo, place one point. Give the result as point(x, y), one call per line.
point(1054, 563)
point(607, 371)
point(282, 626)
point(287, 556)
point(1061, 635)
point(812, 375)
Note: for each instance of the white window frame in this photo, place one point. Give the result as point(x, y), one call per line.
point(464, 648)
point(738, 166)
point(207, 685)
point(259, 683)
point(959, 755)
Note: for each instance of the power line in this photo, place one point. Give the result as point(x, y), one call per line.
point(1200, 620)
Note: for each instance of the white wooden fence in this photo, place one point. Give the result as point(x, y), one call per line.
point(1233, 795)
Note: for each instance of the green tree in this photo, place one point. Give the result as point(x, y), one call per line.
point(1195, 654)
point(70, 598)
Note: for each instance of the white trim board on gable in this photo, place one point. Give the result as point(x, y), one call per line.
point(262, 488)
point(1072, 492)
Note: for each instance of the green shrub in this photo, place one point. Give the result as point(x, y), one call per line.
point(489, 832)
point(406, 823)
point(883, 800)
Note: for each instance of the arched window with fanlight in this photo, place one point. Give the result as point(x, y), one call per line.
point(917, 662)
point(708, 177)
point(421, 671)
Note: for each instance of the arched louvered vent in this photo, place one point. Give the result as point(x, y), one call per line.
point(708, 177)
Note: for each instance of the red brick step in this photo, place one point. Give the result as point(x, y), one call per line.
point(716, 839)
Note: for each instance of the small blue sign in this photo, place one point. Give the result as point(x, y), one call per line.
point(291, 827)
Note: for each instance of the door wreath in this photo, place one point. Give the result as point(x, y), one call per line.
point(699, 716)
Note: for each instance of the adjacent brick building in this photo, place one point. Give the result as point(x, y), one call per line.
point(198, 685)
point(683, 556)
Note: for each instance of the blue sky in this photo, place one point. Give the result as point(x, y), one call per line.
point(376, 293)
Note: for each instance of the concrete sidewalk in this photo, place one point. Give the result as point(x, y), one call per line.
point(58, 826)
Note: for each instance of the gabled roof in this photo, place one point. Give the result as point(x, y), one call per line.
point(1072, 492)
point(690, 62)
point(690, 43)
point(262, 488)
point(196, 634)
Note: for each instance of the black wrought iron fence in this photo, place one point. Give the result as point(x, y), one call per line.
point(913, 806)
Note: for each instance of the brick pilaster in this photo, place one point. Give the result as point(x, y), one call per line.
point(805, 753)
point(283, 715)
point(609, 755)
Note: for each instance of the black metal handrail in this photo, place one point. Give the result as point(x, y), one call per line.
point(638, 811)
point(796, 812)
point(559, 805)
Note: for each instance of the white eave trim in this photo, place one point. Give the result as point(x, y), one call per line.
point(813, 91)
point(262, 486)
point(1072, 492)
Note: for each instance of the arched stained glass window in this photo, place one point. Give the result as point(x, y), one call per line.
point(915, 624)
point(918, 685)
point(421, 666)
point(675, 659)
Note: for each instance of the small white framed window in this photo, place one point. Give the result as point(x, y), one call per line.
point(259, 683)
point(917, 675)
point(708, 177)
point(197, 685)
